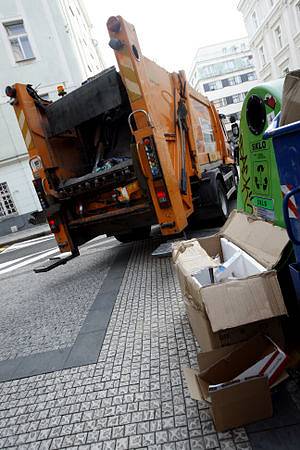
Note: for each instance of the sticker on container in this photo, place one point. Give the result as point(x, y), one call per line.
point(270, 101)
point(261, 178)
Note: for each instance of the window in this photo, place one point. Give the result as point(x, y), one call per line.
point(262, 56)
point(219, 102)
point(19, 41)
point(7, 206)
point(236, 98)
point(208, 134)
point(251, 76)
point(254, 19)
point(212, 86)
point(278, 36)
point(221, 68)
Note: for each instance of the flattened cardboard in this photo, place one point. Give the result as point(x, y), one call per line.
point(239, 302)
point(262, 240)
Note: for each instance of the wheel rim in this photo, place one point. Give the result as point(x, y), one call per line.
point(224, 205)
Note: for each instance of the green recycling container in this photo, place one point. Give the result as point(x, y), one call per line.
point(259, 190)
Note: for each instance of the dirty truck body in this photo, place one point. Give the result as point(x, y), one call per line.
point(125, 151)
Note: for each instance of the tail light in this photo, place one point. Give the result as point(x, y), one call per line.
point(162, 195)
point(54, 225)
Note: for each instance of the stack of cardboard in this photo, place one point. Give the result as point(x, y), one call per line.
point(231, 292)
point(236, 381)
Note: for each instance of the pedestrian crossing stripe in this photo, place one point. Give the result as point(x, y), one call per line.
point(24, 129)
point(101, 243)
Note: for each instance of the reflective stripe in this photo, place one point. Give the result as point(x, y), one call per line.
point(28, 139)
point(293, 210)
point(133, 88)
point(130, 78)
point(21, 119)
point(24, 129)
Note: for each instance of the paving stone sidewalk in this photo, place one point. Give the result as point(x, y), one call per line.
point(135, 396)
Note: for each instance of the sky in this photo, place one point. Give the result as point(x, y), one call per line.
point(169, 31)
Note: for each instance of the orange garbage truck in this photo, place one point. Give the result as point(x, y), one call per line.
point(126, 150)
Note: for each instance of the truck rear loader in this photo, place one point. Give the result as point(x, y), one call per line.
point(125, 151)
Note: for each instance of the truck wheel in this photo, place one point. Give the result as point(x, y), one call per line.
point(138, 234)
point(223, 204)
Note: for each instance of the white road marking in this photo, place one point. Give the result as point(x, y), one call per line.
point(97, 244)
point(29, 259)
point(24, 244)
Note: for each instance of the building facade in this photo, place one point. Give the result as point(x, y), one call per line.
point(45, 43)
point(273, 27)
point(224, 73)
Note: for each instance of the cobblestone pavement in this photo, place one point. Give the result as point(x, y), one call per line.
point(45, 312)
point(135, 396)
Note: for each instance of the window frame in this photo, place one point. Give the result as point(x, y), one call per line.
point(18, 36)
point(278, 36)
point(254, 19)
point(6, 197)
point(262, 55)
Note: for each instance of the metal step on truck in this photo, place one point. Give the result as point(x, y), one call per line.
point(126, 150)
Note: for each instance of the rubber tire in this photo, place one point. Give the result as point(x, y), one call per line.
point(223, 203)
point(138, 234)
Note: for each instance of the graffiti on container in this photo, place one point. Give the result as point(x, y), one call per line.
point(245, 178)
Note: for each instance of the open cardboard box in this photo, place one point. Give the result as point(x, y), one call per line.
point(222, 381)
point(231, 311)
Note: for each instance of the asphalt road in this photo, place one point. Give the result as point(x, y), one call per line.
point(44, 312)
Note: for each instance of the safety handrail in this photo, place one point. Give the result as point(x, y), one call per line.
point(140, 111)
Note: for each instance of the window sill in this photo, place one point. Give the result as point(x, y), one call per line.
point(281, 52)
point(25, 60)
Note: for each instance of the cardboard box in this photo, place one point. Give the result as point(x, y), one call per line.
point(290, 110)
point(231, 311)
point(236, 401)
point(209, 340)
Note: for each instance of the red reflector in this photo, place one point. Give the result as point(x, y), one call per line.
point(54, 226)
point(161, 195)
point(147, 141)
